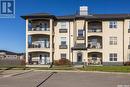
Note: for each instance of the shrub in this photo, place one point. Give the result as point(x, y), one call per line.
point(62, 62)
point(127, 63)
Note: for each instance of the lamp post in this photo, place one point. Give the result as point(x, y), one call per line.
point(84, 63)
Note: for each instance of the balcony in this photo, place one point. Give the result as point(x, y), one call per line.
point(94, 27)
point(62, 30)
point(38, 47)
point(94, 42)
point(39, 58)
point(38, 28)
point(39, 43)
point(94, 45)
point(94, 58)
point(63, 46)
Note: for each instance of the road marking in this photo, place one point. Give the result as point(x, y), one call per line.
point(46, 79)
point(22, 73)
point(16, 74)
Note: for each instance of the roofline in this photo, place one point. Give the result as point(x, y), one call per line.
point(38, 16)
point(73, 17)
point(10, 52)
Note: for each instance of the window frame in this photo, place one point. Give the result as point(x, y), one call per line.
point(129, 57)
point(129, 25)
point(63, 25)
point(113, 24)
point(81, 31)
point(129, 41)
point(113, 40)
point(30, 25)
point(113, 57)
point(63, 41)
point(63, 55)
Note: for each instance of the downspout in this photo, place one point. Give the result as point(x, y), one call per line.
point(69, 43)
point(84, 59)
point(73, 38)
point(123, 42)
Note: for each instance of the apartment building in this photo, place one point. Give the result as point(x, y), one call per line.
point(94, 39)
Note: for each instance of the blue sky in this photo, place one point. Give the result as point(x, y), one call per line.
point(12, 31)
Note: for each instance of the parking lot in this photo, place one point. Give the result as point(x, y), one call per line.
point(62, 79)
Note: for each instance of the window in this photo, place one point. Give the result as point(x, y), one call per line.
point(113, 40)
point(45, 26)
point(63, 55)
point(29, 26)
point(63, 25)
point(80, 32)
point(63, 40)
point(129, 41)
point(113, 24)
point(113, 57)
point(129, 25)
point(129, 57)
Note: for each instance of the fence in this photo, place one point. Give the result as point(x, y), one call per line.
point(11, 63)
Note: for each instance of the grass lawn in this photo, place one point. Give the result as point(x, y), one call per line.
point(107, 68)
point(8, 67)
point(87, 68)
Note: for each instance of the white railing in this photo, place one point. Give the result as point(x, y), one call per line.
point(94, 30)
point(40, 44)
point(95, 45)
point(40, 60)
point(39, 29)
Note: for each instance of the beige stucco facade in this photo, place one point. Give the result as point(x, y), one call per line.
point(82, 39)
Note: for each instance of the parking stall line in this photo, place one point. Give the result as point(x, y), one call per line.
point(46, 79)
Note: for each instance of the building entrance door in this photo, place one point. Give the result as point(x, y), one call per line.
point(79, 58)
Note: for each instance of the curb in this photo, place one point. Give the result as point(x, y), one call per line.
point(79, 71)
point(22, 73)
point(16, 74)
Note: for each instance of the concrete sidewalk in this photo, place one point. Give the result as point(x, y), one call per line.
point(80, 71)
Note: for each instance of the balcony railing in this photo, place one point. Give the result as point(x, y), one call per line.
point(94, 30)
point(93, 45)
point(44, 60)
point(39, 29)
point(62, 30)
point(63, 46)
point(39, 46)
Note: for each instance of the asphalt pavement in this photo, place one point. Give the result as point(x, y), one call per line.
point(64, 79)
